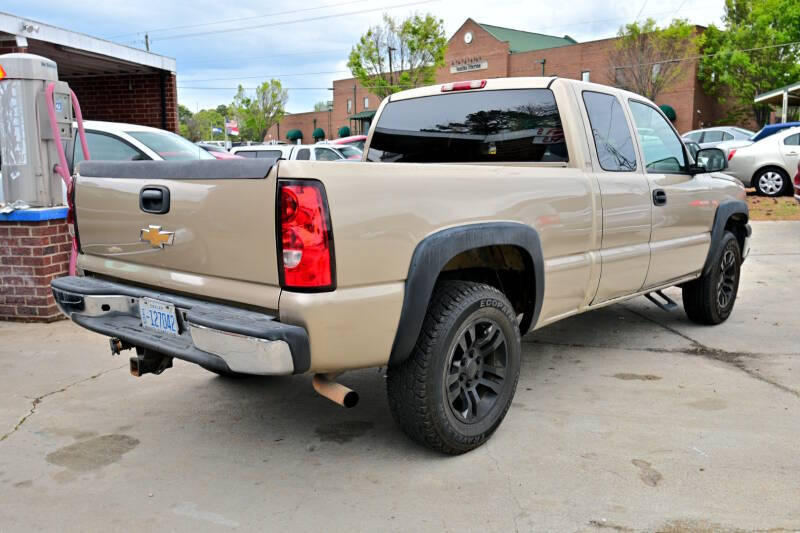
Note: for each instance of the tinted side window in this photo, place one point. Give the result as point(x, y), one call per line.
point(694, 136)
point(663, 150)
point(304, 154)
point(479, 126)
point(726, 136)
point(792, 140)
point(323, 154)
point(107, 148)
point(247, 153)
point(269, 154)
point(612, 138)
point(713, 136)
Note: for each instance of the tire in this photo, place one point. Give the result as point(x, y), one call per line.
point(709, 299)
point(455, 388)
point(771, 182)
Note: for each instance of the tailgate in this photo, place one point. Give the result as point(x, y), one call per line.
point(218, 224)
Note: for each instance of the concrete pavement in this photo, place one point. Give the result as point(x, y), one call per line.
point(625, 419)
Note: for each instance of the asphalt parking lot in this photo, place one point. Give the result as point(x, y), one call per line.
point(628, 418)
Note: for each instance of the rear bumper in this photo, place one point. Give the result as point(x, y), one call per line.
point(216, 336)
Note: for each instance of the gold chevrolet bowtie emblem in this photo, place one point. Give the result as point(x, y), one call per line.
point(156, 237)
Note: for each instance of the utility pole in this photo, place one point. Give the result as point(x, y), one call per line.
point(147, 42)
point(391, 70)
point(355, 104)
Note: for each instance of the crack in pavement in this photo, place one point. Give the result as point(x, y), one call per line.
point(522, 511)
point(36, 401)
point(698, 349)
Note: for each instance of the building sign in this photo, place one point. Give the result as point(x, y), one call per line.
point(468, 64)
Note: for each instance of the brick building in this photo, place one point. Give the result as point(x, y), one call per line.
point(483, 51)
point(113, 83)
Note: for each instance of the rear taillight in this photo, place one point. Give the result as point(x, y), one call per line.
point(730, 154)
point(797, 177)
point(463, 85)
point(305, 239)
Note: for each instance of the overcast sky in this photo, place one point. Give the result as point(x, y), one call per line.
point(307, 55)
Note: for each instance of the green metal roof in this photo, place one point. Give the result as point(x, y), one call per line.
point(362, 115)
point(525, 41)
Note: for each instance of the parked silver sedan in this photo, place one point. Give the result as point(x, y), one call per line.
point(767, 164)
point(711, 137)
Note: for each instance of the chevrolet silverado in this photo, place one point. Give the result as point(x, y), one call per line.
point(482, 210)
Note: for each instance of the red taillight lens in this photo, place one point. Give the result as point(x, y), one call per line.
point(730, 154)
point(306, 240)
point(463, 85)
point(797, 177)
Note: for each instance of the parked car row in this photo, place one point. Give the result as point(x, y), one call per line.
point(765, 160)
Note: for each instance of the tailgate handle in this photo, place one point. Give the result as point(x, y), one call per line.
point(154, 199)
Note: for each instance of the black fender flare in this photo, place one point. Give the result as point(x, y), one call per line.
point(725, 211)
point(433, 253)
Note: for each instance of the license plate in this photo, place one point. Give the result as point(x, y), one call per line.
point(158, 316)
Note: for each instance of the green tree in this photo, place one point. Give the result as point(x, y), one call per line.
point(747, 55)
point(258, 114)
point(322, 105)
point(222, 109)
point(211, 118)
point(184, 113)
point(647, 59)
point(415, 47)
point(198, 128)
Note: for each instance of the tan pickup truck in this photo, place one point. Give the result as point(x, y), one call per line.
point(481, 211)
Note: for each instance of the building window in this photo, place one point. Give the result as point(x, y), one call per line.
point(349, 106)
point(366, 102)
point(585, 75)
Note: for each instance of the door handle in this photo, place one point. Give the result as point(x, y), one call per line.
point(659, 197)
point(154, 199)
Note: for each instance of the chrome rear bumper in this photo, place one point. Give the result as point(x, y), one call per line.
point(213, 335)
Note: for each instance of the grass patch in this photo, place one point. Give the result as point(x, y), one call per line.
point(780, 208)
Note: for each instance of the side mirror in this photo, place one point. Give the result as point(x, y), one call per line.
point(710, 160)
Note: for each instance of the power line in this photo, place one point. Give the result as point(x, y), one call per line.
point(294, 21)
point(674, 60)
point(263, 76)
point(309, 53)
point(239, 19)
point(639, 14)
point(691, 58)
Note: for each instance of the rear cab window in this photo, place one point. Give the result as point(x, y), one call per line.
point(498, 126)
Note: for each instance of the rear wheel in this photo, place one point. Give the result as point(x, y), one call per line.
point(709, 299)
point(455, 388)
point(771, 182)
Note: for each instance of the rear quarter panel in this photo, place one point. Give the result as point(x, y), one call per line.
point(381, 211)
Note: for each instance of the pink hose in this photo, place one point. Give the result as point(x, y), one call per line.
point(62, 167)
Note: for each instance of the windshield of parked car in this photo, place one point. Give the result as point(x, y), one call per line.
point(514, 125)
point(349, 152)
point(170, 146)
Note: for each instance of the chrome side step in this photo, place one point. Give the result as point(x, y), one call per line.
point(668, 304)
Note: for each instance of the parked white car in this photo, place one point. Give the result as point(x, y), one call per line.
point(711, 137)
point(767, 164)
point(117, 141)
point(306, 152)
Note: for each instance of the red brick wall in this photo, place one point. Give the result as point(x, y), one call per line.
point(303, 122)
point(484, 47)
point(133, 98)
point(31, 255)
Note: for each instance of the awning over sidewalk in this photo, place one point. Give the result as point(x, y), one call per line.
point(786, 96)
